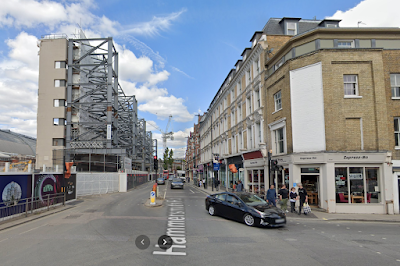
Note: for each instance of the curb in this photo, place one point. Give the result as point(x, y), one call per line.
point(358, 220)
point(36, 218)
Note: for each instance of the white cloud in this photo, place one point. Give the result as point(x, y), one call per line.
point(178, 145)
point(373, 13)
point(18, 85)
point(153, 27)
point(163, 106)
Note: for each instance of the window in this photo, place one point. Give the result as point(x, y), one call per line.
point(59, 83)
point(395, 84)
point(240, 140)
point(59, 64)
point(59, 122)
point(278, 101)
point(233, 118)
point(357, 185)
point(248, 78)
point(256, 67)
point(232, 95)
point(279, 141)
point(60, 103)
point(250, 138)
point(345, 44)
point(280, 62)
point(248, 104)
point(239, 88)
point(233, 144)
point(329, 25)
point(258, 99)
point(240, 113)
point(58, 142)
point(350, 85)
point(291, 28)
point(397, 132)
point(258, 131)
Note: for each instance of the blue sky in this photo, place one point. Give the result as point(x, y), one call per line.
point(174, 55)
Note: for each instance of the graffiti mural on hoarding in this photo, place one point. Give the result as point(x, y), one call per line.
point(47, 185)
point(13, 188)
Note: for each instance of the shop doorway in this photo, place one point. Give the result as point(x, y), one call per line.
point(310, 181)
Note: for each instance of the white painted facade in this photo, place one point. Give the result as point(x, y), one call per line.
point(307, 109)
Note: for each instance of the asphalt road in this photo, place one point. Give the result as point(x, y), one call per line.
point(101, 230)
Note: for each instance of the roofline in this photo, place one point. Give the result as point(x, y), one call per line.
point(330, 30)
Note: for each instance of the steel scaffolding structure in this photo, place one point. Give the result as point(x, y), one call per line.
point(100, 118)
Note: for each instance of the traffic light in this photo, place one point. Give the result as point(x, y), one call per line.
point(155, 163)
point(274, 165)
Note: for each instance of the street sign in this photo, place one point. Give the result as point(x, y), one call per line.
point(152, 198)
point(216, 166)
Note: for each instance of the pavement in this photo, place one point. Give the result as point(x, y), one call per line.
point(321, 214)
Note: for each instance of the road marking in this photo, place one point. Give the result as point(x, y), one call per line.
point(372, 235)
point(398, 260)
point(359, 231)
point(3, 240)
point(31, 229)
point(191, 191)
point(383, 237)
point(347, 228)
point(165, 193)
point(324, 219)
point(378, 252)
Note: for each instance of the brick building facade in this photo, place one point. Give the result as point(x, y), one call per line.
point(328, 113)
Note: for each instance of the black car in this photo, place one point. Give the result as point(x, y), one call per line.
point(160, 181)
point(245, 207)
point(177, 183)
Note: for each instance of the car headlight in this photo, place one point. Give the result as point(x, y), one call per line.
point(262, 214)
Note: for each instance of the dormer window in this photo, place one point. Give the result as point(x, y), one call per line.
point(291, 28)
point(330, 25)
point(346, 44)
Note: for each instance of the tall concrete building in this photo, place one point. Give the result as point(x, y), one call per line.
point(84, 115)
point(328, 113)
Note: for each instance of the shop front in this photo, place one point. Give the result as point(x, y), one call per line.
point(233, 178)
point(256, 173)
point(342, 182)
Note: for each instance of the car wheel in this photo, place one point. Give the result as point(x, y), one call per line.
point(248, 219)
point(211, 210)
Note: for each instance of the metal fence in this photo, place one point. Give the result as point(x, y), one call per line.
point(96, 183)
point(28, 205)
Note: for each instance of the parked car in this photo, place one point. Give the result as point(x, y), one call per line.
point(177, 183)
point(160, 181)
point(245, 207)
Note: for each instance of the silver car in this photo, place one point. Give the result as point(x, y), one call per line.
point(176, 183)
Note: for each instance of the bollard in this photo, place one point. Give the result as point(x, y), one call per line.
point(48, 202)
point(65, 197)
point(26, 207)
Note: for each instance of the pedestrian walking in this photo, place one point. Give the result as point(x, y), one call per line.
point(283, 196)
point(271, 195)
point(216, 183)
point(200, 183)
point(303, 196)
point(293, 197)
point(239, 187)
point(204, 183)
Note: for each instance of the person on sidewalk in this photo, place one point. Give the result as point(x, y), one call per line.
point(200, 183)
point(283, 196)
point(239, 187)
point(216, 183)
point(303, 196)
point(271, 195)
point(204, 183)
point(293, 197)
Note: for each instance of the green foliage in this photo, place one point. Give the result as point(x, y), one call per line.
point(168, 159)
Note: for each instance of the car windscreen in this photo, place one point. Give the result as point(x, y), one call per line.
point(161, 179)
point(251, 199)
point(176, 180)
